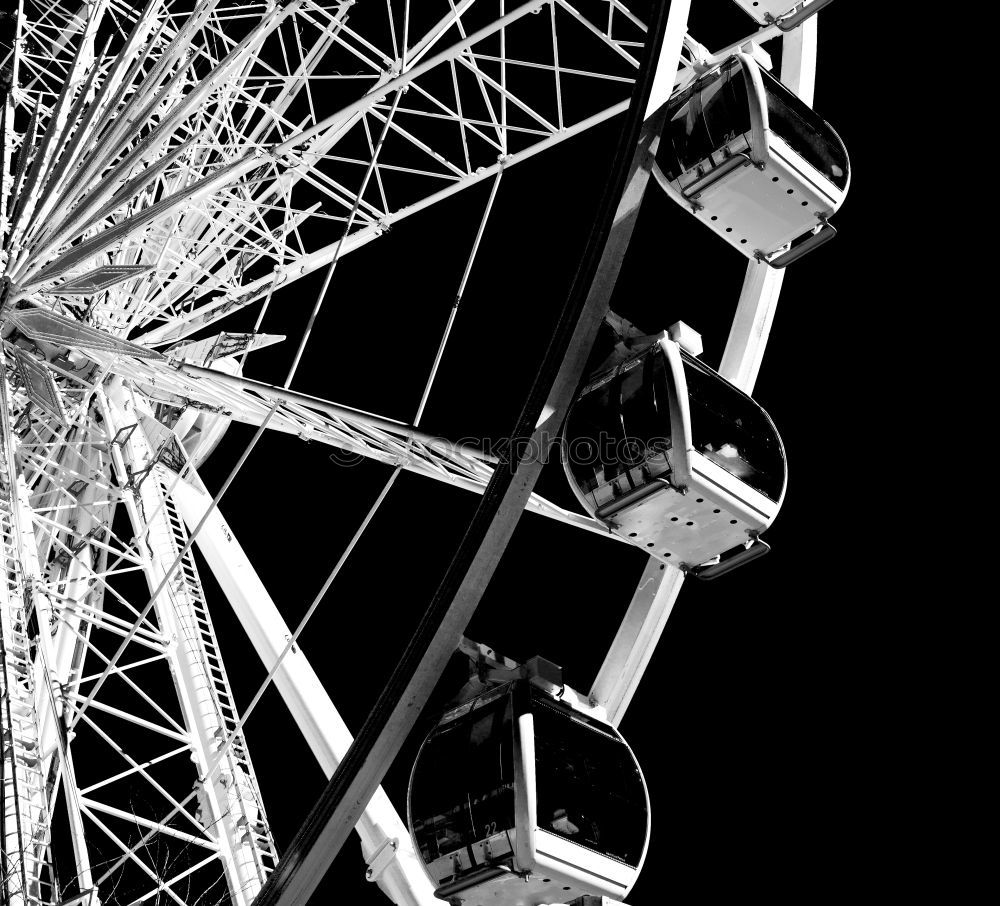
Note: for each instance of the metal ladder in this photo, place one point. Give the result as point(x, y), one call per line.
point(26, 873)
point(167, 537)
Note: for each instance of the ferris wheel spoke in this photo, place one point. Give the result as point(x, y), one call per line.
point(357, 433)
point(422, 663)
point(307, 699)
point(130, 855)
point(43, 50)
point(29, 710)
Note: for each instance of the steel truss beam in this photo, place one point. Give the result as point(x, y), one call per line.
point(357, 433)
point(231, 802)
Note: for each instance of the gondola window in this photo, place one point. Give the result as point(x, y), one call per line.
point(463, 786)
point(589, 788)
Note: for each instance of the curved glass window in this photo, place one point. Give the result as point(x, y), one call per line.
point(618, 423)
point(807, 134)
point(462, 789)
point(589, 787)
point(730, 429)
point(703, 119)
point(622, 421)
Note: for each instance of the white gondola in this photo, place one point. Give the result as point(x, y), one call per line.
point(753, 162)
point(675, 459)
point(783, 13)
point(519, 799)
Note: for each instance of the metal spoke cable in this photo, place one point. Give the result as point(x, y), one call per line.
point(308, 614)
point(221, 97)
point(340, 245)
point(392, 29)
point(10, 491)
point(458, 298)
point(72, 790)
point(291, 373)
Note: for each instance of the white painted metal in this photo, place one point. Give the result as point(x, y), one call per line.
point(187, 644)
point(703, 512)
point(670, 61)
point(765, 11)
point(231, 798)
point(318, 139)
point(356, 433)
point(637, 637)
point(423, 663)
point(26, 871)
point(50, 698)
point(751, 324)
point(762, 285)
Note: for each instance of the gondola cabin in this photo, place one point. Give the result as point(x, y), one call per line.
point(675, 459)
point(783, 13)
point(519, 799)
point(753, 162)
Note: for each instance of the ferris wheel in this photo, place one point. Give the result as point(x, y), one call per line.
point(170, 175)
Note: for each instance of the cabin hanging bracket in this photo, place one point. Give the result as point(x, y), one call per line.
point(382, 858)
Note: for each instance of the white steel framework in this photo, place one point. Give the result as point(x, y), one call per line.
point(164, 167)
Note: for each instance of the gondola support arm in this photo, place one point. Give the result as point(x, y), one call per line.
point(382, 858)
